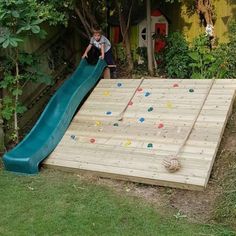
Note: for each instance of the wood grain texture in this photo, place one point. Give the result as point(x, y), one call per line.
point(154, 126)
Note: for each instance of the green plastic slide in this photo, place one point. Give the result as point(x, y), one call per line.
point(54, 121)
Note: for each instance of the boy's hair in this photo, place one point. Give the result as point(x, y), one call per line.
point(97, 30)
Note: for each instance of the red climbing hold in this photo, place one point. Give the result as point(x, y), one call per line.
point(160, 126)
point(92, 140)
point(139, 89)
point(131, 103)
point(175, 85)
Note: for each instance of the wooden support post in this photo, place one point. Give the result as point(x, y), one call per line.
point(107, 71)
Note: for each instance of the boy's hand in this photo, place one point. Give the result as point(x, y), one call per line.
point(102, 57)
point(85, 55)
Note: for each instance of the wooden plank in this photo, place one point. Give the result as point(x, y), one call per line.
point(96, 172)
point(109, 155)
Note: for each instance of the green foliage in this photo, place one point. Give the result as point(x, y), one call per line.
point(202, 65)
point(176, 58)
point(207, 63)
point(120, 53)
point(30, 71)
point(18, 19)
point(231, 52)
point(200, 61)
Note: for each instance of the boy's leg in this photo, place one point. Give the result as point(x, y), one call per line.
point(109, 60)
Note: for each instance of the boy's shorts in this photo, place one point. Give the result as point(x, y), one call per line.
point(108, 57)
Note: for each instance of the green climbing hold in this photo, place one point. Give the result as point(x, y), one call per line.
point(191, 90)
point(150, 109)
point(150, 145)
point(116, 124)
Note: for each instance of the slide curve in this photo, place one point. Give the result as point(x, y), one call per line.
point(54, 121)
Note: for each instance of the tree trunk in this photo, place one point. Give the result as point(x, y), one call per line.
point(129, 53)
point(149, 40)
point(84, 22)
point(16, 128)
point(2, 147)
point(89, 14)
point(125, 27)
point(204, 8)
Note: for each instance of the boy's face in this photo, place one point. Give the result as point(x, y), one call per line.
point(97, 36)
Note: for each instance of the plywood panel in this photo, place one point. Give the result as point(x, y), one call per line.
point(153, 128)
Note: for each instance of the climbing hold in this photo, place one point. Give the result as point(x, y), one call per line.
point(108, 113)
point(150, 109)
point(119, 85)
point(106, 93)
point(131, 103)
point(73, 137)
point(169, 105)
point(98, 123)
point(150, 145)
point(127, 143)
point(175, 85)
point(147, 94)
point(160, 126)
point(191, 90)
point(141, 120)
point(116, 124)
point(139, 89)
point(92, 140)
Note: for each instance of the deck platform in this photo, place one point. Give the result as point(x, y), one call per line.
point(154, 126)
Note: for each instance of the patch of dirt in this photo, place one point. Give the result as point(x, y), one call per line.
point(198, 206)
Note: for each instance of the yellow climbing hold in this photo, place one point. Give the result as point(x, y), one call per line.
point(106, 93)
point(98, 123)
point(127, 143)
point(169, 105)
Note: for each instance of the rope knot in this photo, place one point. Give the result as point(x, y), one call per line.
point(172, 164)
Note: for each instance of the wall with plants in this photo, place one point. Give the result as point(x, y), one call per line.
point(197, 59)
point(184, 18)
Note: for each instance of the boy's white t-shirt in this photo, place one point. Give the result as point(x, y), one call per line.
point(103, 40)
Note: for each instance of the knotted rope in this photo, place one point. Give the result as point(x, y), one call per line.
point(172, 163)
point(121, 115)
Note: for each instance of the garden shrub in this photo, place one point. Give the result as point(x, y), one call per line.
point(176, 58)
point(203, 64)
point(231, 62)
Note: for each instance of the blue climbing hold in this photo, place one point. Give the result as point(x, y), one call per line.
point(119, 85)
point(141, 120)
point(147, 94)
point(108, 113)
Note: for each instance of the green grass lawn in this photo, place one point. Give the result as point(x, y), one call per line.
point(57, 203)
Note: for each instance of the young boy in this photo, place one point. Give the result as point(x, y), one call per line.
point(99, 47)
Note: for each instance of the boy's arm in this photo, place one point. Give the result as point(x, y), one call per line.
point(102, 51)
point(87, 50)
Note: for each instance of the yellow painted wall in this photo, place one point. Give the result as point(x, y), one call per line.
point(189, 24)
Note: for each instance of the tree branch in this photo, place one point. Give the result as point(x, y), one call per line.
point(83, 21)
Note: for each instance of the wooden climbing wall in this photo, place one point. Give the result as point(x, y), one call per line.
point(154, 126)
